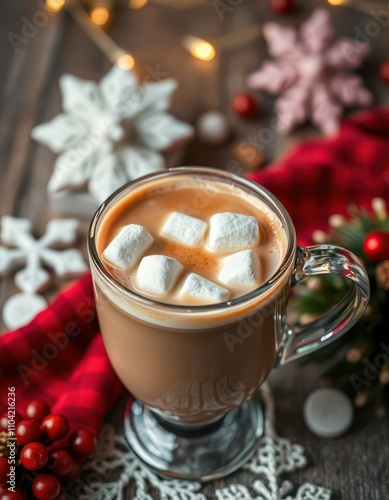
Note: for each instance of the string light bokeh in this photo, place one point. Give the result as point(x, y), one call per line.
point(101, 13)
point(137, 4)
point(199, 48)
point(55, 5)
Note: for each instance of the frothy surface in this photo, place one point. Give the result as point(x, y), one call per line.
point(151, 205)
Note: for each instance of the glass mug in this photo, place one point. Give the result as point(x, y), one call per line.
point(194, 370)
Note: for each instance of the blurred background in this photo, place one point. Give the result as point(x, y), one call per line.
point(210, 48)
point(153, 32)
point(226, 111)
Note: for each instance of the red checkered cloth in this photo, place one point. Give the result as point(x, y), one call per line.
point(322, 177)
point(60, 357)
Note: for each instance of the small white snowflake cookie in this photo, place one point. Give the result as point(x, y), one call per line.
point(24, 250)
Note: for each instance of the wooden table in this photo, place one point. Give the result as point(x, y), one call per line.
point(355, 467)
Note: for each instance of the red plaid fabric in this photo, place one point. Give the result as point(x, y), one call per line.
point(322, 177)
point(60, 357)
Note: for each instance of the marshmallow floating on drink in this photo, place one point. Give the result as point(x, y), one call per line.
point(201, 288)
point(161, 274)
point(241, 268)
point(184, 228)
point(229, 230)
point(158, 273)
point(128, 246)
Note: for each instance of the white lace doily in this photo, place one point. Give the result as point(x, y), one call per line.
point(273, 457)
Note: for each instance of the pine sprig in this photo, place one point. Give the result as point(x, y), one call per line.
point(346, 363)
point(352, 232)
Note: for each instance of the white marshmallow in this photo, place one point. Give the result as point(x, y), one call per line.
point(229, 230)
point(199, 287)
point(128, 246)
point(241, 268)
point(158, 273)
point(184, 228)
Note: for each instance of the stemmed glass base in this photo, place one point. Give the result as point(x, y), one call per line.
point(201, 453)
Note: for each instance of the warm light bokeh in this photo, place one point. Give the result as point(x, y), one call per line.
point(203, 50)
point(55, 5)
point(99, 15)
point(336, 2)
point(126, 61)
point(137, 4)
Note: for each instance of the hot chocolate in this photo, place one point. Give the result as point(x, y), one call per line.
point(178, 351)
point(192, 269)
point(152, 207)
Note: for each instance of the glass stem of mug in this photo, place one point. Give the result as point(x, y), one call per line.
point(171, 423)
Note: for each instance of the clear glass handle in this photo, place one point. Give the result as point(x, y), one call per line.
point(326, 259)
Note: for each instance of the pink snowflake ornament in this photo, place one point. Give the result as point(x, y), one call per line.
point(309, 71)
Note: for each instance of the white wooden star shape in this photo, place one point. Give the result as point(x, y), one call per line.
point(110, 132)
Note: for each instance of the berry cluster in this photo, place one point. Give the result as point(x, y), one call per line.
point(43, 472)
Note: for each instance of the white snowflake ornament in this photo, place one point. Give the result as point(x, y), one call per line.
point(310, 71)
point(33, 278)
point(110, 132)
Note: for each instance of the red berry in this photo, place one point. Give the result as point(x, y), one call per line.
point(74, 472)
point(384, 72)
point(4, 420)
point(244, 105)
point(376, 246)
point(4, 470)
point(12, 495)
point(60, 462)
point(27, 431)
point(34, 456)
point(55, 426)
point(46, 487)
point(37, 410)
point(82, 442)
point(281, 6)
